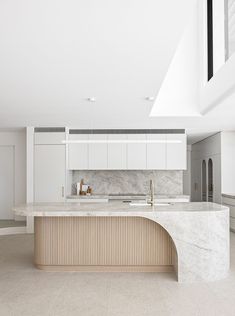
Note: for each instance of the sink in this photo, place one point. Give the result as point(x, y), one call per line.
point(147, 204)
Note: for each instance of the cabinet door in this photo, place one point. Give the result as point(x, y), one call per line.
point(176, 153)
point(98, 153)
point(49, 173)
point(78, 153)
point(216, 159)
point(117, 153)
point(156, 152)
point(196, 189)
point(136, 153)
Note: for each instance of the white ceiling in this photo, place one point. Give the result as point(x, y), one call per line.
point(56, 53)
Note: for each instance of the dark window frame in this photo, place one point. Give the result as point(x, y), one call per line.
point(210, 52)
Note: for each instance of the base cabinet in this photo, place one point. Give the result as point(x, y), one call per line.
point(230, 202)
point(102, 244)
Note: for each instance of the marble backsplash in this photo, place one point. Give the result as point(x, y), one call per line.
point(130, 181)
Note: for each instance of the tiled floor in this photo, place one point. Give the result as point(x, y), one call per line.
point(25, 290)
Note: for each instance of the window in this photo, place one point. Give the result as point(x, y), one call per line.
point(210, 38)
point(216, 35)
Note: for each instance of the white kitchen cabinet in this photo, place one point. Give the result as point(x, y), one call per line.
point(78, 153)
point(196, 178)
point(49, 173)
point(158, 155)
point(230, 202)
point(49, 138)
point(216, 161)
point(136, 153)
point(98, 153)
point(117, 152)
point(176, 153)
point(156, 152)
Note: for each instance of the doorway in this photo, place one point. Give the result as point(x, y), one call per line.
point(7, 190)
point(204, 182)
point(210, 181)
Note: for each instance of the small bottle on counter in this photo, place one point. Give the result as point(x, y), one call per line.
point(78, 188)
point(89, 190)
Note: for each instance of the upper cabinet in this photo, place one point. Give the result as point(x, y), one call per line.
point(143, 152)
point(98, 153)
point(176, 152)
point(136, 152)
point(78, 153)
point(156, 152)
point(117, 152)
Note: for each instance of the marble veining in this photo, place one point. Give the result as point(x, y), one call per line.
point(200, 231)
point(130, 181)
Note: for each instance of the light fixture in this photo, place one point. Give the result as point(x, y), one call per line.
point(91, 99)
point(150, 98)
point(122, 141)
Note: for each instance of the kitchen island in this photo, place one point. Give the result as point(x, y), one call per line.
point(191, 239)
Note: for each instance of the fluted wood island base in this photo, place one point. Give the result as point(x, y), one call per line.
point(102, 244)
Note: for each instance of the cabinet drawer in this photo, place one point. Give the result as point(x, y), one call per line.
point(232, 223)
point(232, 211)
point(228, 201)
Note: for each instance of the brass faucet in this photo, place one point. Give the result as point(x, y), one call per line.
point(151, 201)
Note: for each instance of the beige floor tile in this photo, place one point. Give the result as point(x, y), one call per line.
point(27, 291)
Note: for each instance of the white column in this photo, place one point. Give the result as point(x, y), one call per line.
point(29, 174)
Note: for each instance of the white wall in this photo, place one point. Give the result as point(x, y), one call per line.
point(179, 92)
point(17, 139)
point(228, 162)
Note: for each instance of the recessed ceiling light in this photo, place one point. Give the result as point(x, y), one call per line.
point(91, 99)
point(148, 98)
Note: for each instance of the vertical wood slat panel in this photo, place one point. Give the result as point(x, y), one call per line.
point(101, 241)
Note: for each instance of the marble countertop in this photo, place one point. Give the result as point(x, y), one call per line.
point(112, 209)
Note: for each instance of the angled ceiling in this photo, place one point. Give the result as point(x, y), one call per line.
point(56, 53)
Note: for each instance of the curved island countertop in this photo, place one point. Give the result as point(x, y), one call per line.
point(199, 230)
